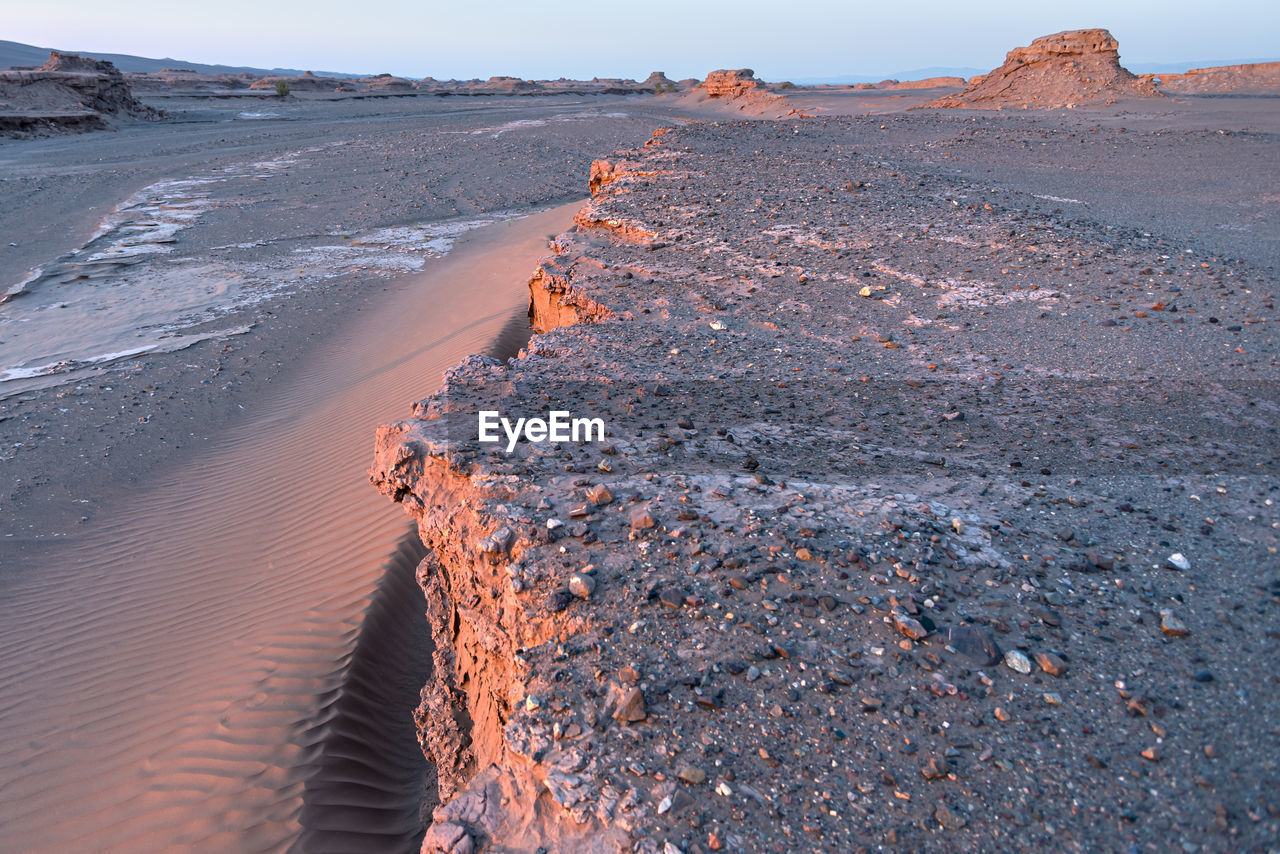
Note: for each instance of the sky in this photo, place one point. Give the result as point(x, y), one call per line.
point(801, 39)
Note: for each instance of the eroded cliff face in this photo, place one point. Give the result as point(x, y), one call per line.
point(825, 519)
point(504, 782)
point(67, 92)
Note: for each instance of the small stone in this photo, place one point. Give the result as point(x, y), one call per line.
point(1001, 714)
point(1015, 660)
point(803, 554)
point(599, 495)
point(722, 788)
point(1151, 754)
point(692, 775)
point(1052, 698)
point(642, 520)
point(958, 526)
point(1102, 562)
point(934, 769)
point(1172, 626)
point(582, 586)
point(909, 626)
point(672, 597)
point(1178, 561)
point(975, 643)
point(738, 581)
point(1048, 616)
point(499, 541)
point(631, 707)
point(1051, 664)
point(948, 819)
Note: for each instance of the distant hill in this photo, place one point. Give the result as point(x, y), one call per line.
point(913, 74)
point(16, 53)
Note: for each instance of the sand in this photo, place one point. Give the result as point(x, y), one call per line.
point(214, 643)
point(189, 648)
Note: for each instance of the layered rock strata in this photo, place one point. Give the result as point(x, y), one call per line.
point(895, 538)
point(1065, 69)
point(67, 92)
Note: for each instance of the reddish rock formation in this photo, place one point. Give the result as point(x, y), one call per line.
point(740, 89)
point(1061, 70)
point(732, 83)
point(1254, 77)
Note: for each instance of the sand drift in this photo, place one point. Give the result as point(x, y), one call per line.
point(235, 658)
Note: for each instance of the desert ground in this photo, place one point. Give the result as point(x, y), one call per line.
point(936, 509)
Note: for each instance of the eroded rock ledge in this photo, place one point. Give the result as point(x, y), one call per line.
point(68, 92)
point(880, 548)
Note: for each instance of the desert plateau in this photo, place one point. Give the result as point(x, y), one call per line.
point(663, 464)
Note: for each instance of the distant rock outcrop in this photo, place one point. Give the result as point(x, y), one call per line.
point(930, 83)
point(387, 83)
point(732, 83)
point(738, 89)
point(1254, 77)
point(658, 78)
point(68, 92)
point(304, 82)
point(185, 80)
point(1061, 70)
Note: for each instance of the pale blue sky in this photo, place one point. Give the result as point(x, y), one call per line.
point(573, 38)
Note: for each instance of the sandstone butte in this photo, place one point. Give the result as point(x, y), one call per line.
point(1062, 70)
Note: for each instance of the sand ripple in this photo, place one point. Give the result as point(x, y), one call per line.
point(229, 661)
